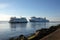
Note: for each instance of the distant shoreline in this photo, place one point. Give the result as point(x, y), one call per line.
point(49, 21)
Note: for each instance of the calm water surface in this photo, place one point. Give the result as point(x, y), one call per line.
point(8, 30)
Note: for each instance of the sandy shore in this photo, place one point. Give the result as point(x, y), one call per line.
point(53, 36)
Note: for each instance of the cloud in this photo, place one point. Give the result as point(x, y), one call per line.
point(54, 18)
point(3, 5)
point(4, 17)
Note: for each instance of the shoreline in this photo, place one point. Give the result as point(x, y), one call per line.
point(53, 36)
point(39, 34)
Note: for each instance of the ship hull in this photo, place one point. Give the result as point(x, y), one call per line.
point(18, 22)
point(37, 21)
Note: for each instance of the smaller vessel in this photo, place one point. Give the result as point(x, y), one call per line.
point(35, 19)
point(18, 20)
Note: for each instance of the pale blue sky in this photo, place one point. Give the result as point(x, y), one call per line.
point(43, 8)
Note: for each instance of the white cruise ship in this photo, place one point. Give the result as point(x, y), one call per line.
point(18, 20)
point(35, 19)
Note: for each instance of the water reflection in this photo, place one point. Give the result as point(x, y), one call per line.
point(15, 26)
point(28, 26)
point(38, 25)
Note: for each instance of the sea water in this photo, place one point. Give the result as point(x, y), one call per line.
point(8, 30)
